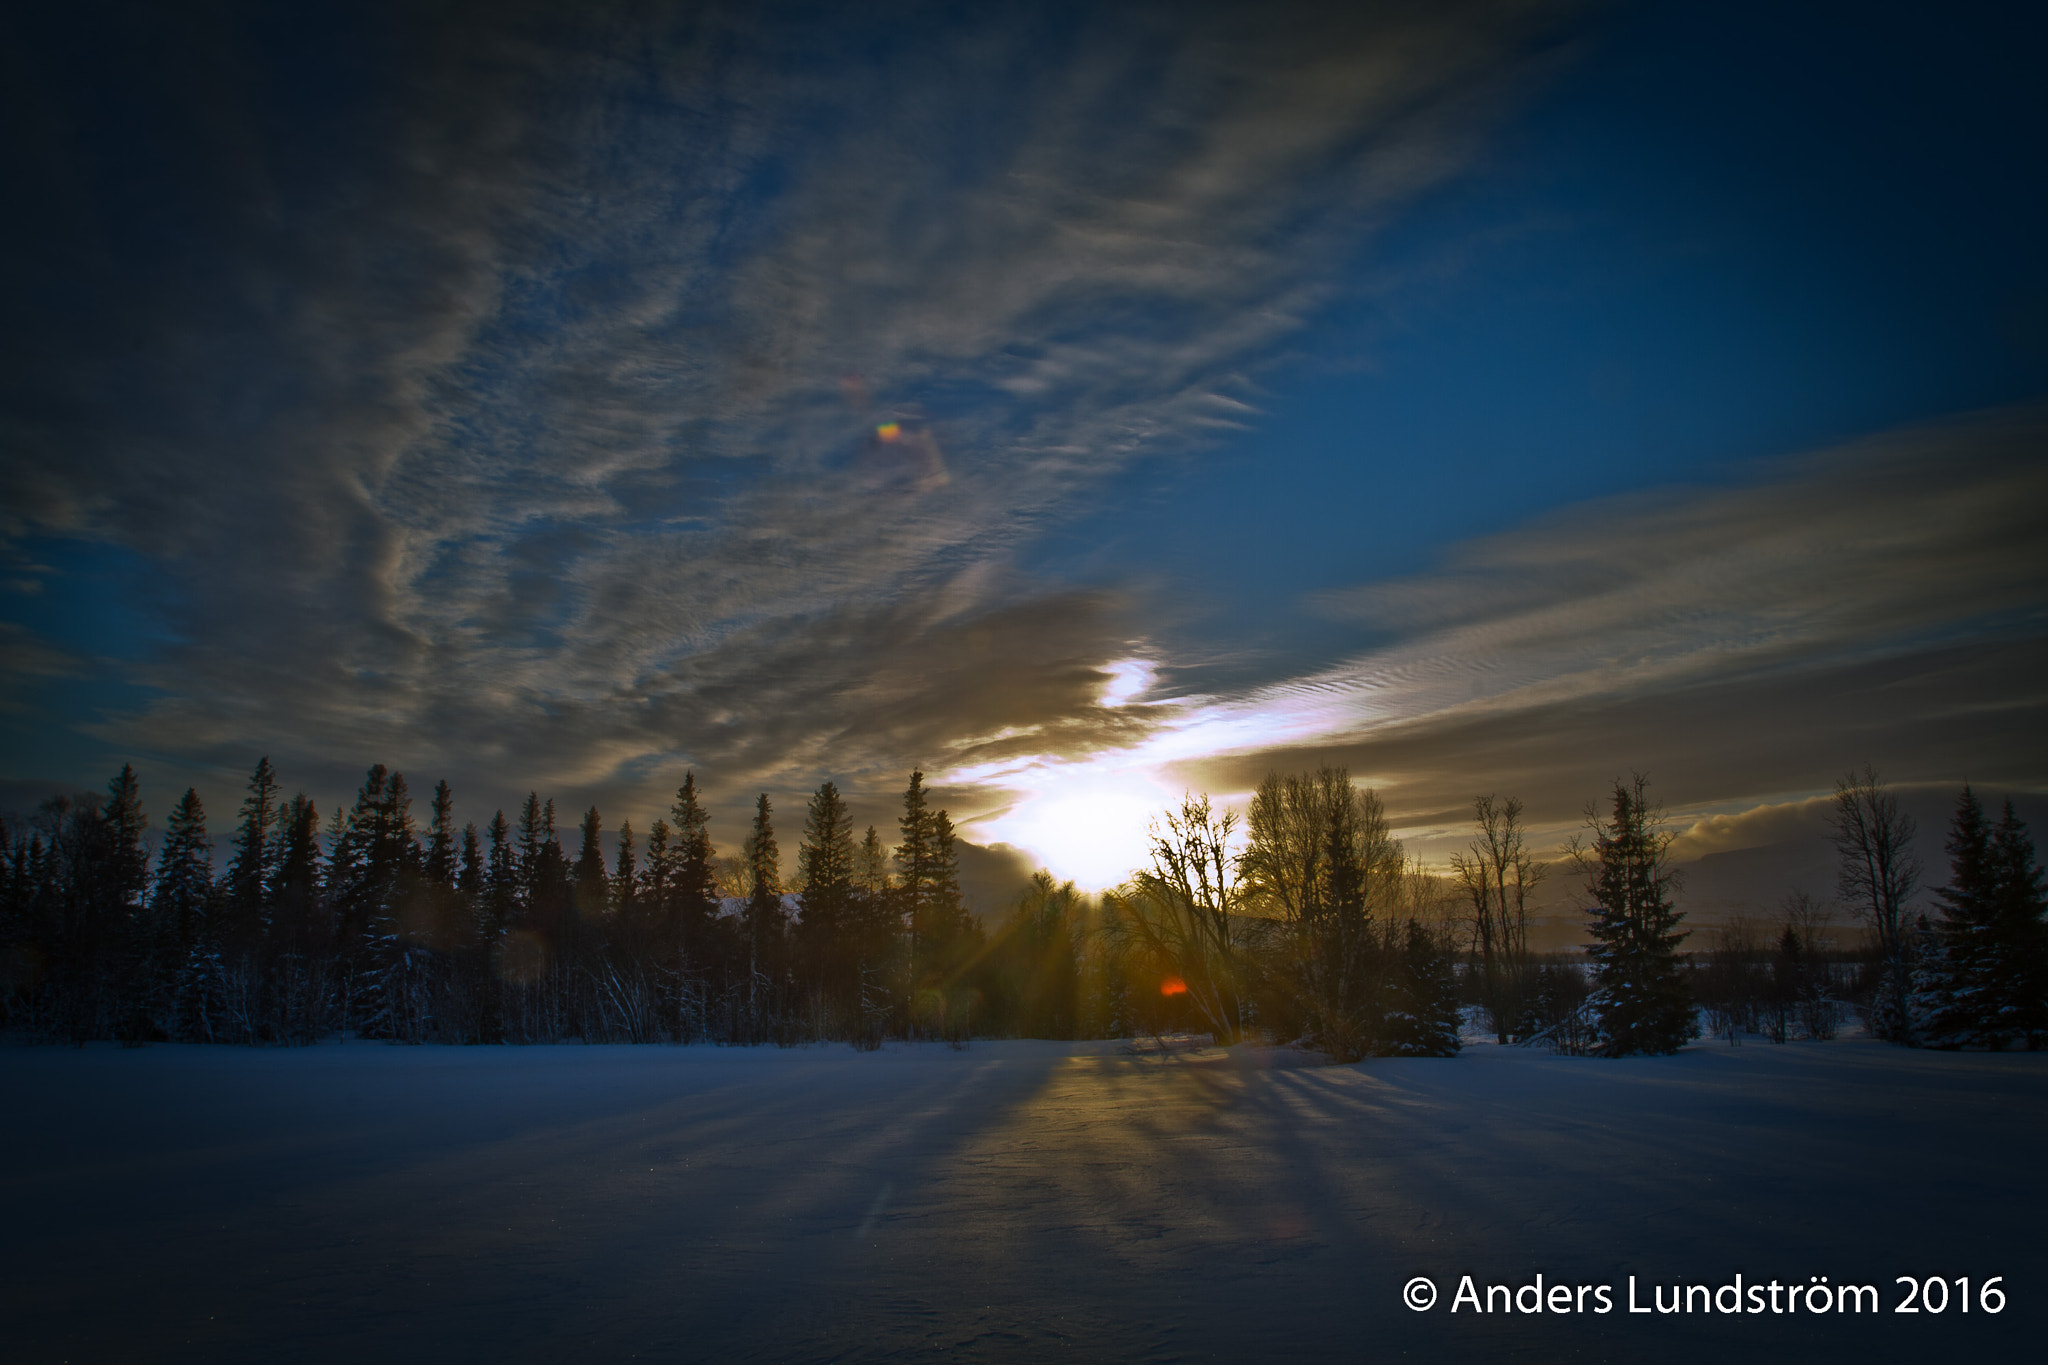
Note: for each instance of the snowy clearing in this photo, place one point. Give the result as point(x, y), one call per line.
point(1016, 1200)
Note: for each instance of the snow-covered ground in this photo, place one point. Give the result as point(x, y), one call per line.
point(1019, 1200)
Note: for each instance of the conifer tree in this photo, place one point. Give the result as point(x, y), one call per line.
point(947, 911)
point(876, 935)
point(825, 870)
point(295, 881)
point(762, 918)
point(693, 874)
point(496, 908)
point(549, 909)
point(1037, 960)
point(439, 872)
point(186, 948)
point(440, 865)
point(1641, 999)
point(469, 879)
point(871, 868)
point(125, 862)
point(110, 939)
point(184, 876)
point(536, 828)
point(626, 886)
point(764, 915)
point(592, 887)
point(914, 872)
point(657, 871)
point(1422, 1014)
point(1976, 983)
point(1953, 978)
point(388, 989)
point(2023, 915)
point(246, 893)
point(359, 870)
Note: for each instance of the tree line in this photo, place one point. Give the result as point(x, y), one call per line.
point(1974, 973)
point(1312, 926)
point(370, 925)
point(1970, 972)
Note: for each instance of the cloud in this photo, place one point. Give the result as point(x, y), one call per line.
point(1887, 544)
point(1878, 602)
point(504, 396)
point(1757, 827)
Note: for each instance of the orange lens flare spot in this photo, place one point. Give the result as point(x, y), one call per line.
point(1173, 985)
point(889, 431)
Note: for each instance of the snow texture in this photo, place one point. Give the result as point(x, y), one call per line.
point(1017, 1201)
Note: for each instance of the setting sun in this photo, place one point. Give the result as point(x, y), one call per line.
point(1086, 825)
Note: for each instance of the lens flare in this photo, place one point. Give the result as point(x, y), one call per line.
point(1173, 985)
point(889, 431)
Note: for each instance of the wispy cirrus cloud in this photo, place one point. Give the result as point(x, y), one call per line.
point(511, 404)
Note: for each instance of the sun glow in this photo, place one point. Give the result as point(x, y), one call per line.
point(1083, 823)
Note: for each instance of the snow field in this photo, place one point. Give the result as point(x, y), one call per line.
point(1016, 1200)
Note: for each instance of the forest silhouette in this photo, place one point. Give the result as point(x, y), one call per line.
point(1309, 925)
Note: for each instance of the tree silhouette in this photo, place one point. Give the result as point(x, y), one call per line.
point(1641, 1001)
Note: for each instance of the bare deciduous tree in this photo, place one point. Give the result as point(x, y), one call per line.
point(1497, 874)
point(1182, 910)
point(1876, 876)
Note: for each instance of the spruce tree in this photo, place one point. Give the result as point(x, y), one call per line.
point(593, 888)
point(469, 879)
point(550, 909)
point(389, 986)
point(357, 866)
point(1422, 1007)
point(876, 937)
point(653, 893)
point(114, 936)
point(946, 911)
point(536, 828)
point(2023, 916)
point(1978, 982)
point(693, 876)
point(1641, 1003)
point(825, 870)
point(626, 889)
point(439, 872)
point(440, 864)
point(914, 869)
point(246, 890)
point(184, 876)
point(496, 908)
point(1954, 1002)
point(762, 919)
point(186, 947)
point(124, 863)
point(295, 925)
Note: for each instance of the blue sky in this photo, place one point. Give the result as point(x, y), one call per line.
point(1081, 403)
